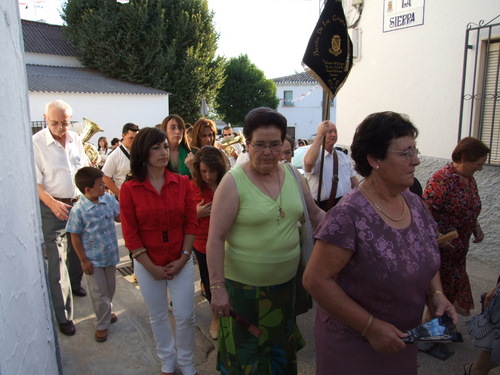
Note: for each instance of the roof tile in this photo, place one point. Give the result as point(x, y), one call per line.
point(44, 38)
point(297, 78)
point(44, 78)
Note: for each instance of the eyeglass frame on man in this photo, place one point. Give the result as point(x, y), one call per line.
point(57, 123)
point(409, 153)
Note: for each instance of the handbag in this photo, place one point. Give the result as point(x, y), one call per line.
point(303, 300)
point(484, 328)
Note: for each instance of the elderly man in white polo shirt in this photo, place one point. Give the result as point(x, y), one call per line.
point(59, 154)
point(117, 165)
point(338, 172)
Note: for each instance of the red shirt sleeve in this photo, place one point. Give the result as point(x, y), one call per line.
point(129, 219)
point(190, 214)
point(196, 192)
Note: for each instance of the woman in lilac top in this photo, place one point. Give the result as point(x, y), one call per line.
point(375, 263)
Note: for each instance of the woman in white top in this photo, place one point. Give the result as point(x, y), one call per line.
point(103, 149)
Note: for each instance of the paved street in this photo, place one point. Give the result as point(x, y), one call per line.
point(130, 347)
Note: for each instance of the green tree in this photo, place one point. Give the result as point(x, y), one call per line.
point(244, 89)
point(165, 44)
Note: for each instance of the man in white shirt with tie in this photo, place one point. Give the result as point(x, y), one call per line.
point(345, 178)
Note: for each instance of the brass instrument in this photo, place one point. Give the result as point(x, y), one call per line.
point(228, 142)
point(90, 129)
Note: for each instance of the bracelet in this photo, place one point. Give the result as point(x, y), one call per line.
point(217, 282)
point(371, 319)
point(438, 292)
point(138, 252)
point(212, 287)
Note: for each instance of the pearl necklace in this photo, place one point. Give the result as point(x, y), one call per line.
point(281, 213)
point(382, 211)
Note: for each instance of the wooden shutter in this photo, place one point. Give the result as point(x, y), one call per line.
point(490, 119)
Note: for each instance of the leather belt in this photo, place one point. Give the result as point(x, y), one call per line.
point(66, 200)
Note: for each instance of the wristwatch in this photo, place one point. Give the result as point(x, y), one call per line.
point(185, 252)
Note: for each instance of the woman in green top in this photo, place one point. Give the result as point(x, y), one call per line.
point(175, 128)
point(253, 253)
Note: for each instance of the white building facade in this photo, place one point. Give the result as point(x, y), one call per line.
point(417, 67)
point(301, 101)
point(55, 73)
point(413, 58)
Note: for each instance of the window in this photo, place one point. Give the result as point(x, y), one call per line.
point(480, 95)
point(288, 98)
point(489, 119)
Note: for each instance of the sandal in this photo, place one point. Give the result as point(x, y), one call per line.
point(468, 368)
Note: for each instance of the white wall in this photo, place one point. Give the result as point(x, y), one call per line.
point(28, 341)
point(108, 111)
point(417, 71)
point(51, 60)
point(306, 112)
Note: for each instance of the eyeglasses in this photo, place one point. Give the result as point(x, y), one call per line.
point(409, 153)
point(260, 147)
point(57, 123)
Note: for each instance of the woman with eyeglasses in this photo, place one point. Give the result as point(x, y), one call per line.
point(453, 199)
point(253, 253)
point(375, 262)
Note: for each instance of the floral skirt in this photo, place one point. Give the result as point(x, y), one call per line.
point(454, 278)
point(271, 308)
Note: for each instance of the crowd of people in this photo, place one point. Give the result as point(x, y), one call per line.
point(236, 204)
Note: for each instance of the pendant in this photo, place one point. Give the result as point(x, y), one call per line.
point(281, 212)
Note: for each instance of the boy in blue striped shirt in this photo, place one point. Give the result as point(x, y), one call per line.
point(93, 234)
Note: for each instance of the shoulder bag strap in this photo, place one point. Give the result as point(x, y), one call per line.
point(306, 212)
point(125, 152)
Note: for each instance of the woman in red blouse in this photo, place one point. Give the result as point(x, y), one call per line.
point(209, 166)
point(159, 221)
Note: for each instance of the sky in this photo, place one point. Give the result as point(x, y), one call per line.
point(273, 33)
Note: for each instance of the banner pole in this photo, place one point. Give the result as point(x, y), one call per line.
point(326, 117)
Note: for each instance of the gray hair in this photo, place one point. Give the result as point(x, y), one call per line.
point(59, 104)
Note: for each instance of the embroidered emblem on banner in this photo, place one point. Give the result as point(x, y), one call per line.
point(335, 50)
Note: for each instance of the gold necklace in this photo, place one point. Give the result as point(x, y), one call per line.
point(382, 211)
point(281, 213)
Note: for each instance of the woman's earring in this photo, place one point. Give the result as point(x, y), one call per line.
point(377, 167)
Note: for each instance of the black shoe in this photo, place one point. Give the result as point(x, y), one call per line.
point(67, 328)
point(80, 292)
point(440, 351)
